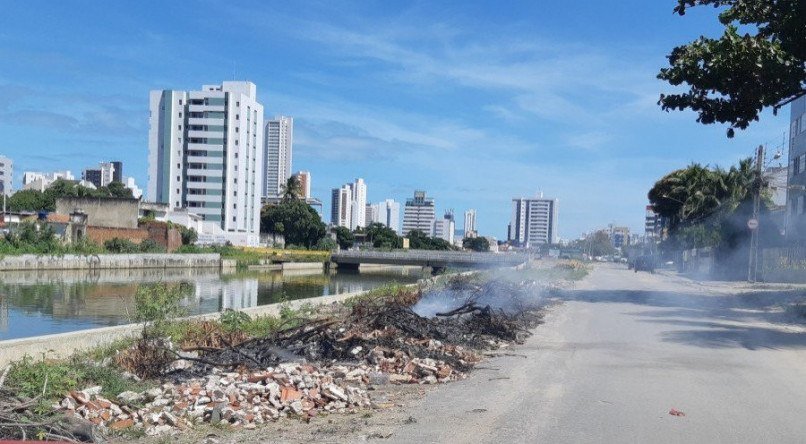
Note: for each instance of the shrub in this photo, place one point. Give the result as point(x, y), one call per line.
point(151, 246)
point(118, 245)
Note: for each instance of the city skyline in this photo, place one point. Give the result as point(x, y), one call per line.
point(569, 109)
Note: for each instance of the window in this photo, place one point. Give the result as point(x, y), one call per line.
point(178, 179)
point(180, 102)
point(179, 165)
point(237, 103)
point(237, 117)
point(796, 167)
point(180, 114)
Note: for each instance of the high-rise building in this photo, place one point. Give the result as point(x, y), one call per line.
point(359, 202)
point(341, 206)
point(349, 205)
point(470, 223)
point(304, 178)
point(619, 236)
point(103, 175)
point(419, 214)
point(386, 213)
point(796, 196)
point(534, 222)
point(444, 228)
point(6, 176)
point(117, 172)
point(277, 154)
point(206, 155)
point(652, 223)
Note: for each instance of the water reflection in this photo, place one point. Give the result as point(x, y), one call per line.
point(42, 302)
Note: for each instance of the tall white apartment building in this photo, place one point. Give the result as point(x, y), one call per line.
point(419, 214)
point(341, 206)
point(470, 223)
point(277, 154)
point(349, 205)
point(386, 213)
point(534, 222)
point(206, 155)
point(6, 176)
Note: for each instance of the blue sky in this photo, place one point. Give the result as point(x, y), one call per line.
point(474, 102)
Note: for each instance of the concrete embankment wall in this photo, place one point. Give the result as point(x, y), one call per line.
point(63, 345)
point(108, 261)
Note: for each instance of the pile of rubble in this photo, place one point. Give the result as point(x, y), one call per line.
point(325, 365)
point(236, 398)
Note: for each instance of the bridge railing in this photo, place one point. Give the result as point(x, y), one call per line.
point(441, 256)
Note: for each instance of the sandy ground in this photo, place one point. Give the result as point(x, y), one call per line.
point(613, 358)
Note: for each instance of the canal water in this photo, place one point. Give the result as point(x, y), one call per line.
point(36, 303)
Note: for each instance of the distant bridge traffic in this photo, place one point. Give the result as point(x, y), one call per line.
point(428, 258)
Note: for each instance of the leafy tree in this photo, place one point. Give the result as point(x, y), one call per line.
point(189, 235)
point(344, 237)
point(118, 189)
point(118, 245)
point(476, 243)
point(598, 244)
point(420, 241)
point(733, 78)
point(382, 236)
point(297, 221)
point(26, 200)
point(292, 189)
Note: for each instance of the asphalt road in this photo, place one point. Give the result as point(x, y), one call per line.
point(619, 353)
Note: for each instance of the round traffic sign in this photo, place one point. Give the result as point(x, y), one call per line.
point(752, 223)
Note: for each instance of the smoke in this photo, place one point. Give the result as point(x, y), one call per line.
point(501, 291)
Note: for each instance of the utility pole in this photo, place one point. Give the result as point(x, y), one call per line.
point(752, 224)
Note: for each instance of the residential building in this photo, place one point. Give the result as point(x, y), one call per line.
point(6, 176)
point(277, 154)
point(372, 214)
point(776, 178)
point(653, 225)
point(359, 203)
point(534, 222)
point(33, 180)
point(796, 209)
point(619, 236)
point(444, 228)
point(103, 175)
point(349, 205)
point(386, 213)
point(470, 224)
point(341, 206)
point(137, 192)
point(419, 213)
point(304, 178)
point(117, 172)
point(206, 154)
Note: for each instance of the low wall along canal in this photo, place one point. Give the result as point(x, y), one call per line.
point(108, 261)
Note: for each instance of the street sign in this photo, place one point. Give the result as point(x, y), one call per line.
point(752, 223)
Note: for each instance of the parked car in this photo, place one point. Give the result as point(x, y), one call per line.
point(644, 263)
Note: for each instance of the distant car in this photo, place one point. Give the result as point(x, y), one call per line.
point(644, 263)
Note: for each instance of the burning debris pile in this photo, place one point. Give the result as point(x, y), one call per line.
point(324, 365)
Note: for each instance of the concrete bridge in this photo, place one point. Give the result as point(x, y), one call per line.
point(428, 258)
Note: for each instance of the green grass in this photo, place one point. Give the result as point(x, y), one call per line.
point(54, 379)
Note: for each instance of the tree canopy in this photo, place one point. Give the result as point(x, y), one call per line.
point(382, 236)
point(476, 243)
point(421, 241)
point(297, 221)
point(34, 200)
point(344, 237)
point(733, 78)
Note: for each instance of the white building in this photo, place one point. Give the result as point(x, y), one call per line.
point(137, 192)
point(349, 205)
point(359, 202)
point(34, 180)
point(419, 214)
point(470, 223)
point(444, 228)
point(206, 154)
point(101, 176)
point(6, 176)
point(534, 222)
point(277, 155)
point(341, 206)
point(386, 213)
point(304, 178)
